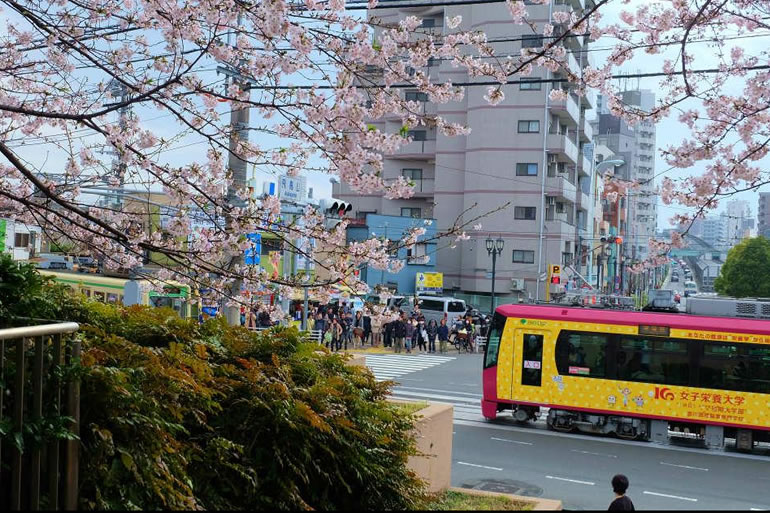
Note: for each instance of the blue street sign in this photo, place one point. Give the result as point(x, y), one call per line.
point(253, 253)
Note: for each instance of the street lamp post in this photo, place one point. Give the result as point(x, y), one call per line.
point(494, 248)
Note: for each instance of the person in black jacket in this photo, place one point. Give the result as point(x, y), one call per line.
point(621, 502)
point(367, 328)
point(443, 336)
point(399, 331)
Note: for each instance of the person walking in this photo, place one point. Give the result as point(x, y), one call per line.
point(443, 336)
point(399, 333)
point(336, 331)
point(432, 330)
point(621, 502)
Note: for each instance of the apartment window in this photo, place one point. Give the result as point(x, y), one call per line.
point(523, 256)
point(416, 96)
point(428, 22)
point(530, 84)
point(432, 61)
point(531, 41)
point(410, 212)
point(529, 126)
point(566, 258)
point(418, 254)
point(526, 213)
point(526, 169)
point(418, 135)
point(21, 240)
point(412, 174)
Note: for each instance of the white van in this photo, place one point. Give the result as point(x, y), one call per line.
point(437, 308)
point(54, 261)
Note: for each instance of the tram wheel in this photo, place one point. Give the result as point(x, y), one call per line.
point(521, 415)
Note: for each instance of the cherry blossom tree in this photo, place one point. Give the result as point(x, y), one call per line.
point(305, 70)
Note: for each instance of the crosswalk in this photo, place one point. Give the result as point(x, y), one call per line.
point(393, 366)
point(466, 400)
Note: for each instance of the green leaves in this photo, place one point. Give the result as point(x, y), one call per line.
point(180, 415)
point(746, 272)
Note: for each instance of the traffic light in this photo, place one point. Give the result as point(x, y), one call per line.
point(612, 240)
point(555, 280)
point(335, 207)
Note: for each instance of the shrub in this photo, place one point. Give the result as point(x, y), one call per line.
point(181, 415)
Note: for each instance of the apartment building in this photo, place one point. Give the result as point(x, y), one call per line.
point(636, 146)
point(524, 155)
point(740, 222)
point(763, 214)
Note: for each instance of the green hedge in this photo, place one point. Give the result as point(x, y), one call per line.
point(179, 415)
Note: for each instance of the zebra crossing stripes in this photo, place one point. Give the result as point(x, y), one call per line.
point(392, 366)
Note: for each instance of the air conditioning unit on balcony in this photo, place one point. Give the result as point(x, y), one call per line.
point(517, 283)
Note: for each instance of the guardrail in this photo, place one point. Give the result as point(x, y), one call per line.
point(314, 334)
point(50, 350)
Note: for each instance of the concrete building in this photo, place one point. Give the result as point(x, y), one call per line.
point(763, 214)
point(420, 259)
point(715, 231)
point(636, 146)
point(21, 241)
point(739, 222)
point(524, 154)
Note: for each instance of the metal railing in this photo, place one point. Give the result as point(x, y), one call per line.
point(314, 334)
point(50, 350)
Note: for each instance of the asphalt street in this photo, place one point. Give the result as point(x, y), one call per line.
point(575, 468)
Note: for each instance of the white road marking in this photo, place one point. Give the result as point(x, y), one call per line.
point(595, 453)
point(479, 396)
point(589, 483)
point(479, 466)
point(440, 397)
point(511, 441)
point(670, 496)
point(684, 466)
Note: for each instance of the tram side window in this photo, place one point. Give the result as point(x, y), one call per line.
point(737, 367)
point(532, 362)
point(493, 344)
point(581, 354)
point(652, 360)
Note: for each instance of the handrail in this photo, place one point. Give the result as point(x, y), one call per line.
point(38, 331)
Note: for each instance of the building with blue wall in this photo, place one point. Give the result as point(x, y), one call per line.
point(394, 228)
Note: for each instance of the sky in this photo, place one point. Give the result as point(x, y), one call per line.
point(187, 149)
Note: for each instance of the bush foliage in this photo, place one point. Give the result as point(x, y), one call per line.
point(181, 415)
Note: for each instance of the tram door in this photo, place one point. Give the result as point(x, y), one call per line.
point(529, 355)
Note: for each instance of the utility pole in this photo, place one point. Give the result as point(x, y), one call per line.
point(239, 126)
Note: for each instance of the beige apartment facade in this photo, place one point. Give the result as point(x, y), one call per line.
point(522, 166)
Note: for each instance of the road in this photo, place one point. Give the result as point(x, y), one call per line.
point(575, 468)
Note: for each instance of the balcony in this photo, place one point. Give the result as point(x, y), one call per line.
point(573, 65)
point(584, 166)
point(425, 149)
point(562, 144)
point(423, 187)
point(566, 109)
point(558, 185)
point(587, 132)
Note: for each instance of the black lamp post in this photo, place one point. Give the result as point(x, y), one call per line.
point(494, 248)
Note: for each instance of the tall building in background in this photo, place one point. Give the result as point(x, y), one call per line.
point(715, 231)
point(740, 223)
point(526, 152)
point(763, 214)
point(636, 146)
